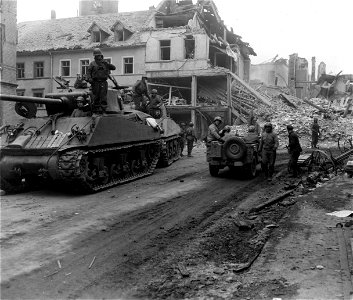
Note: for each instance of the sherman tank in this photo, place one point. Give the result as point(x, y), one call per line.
point(87, 153)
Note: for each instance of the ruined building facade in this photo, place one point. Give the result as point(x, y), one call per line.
point(8, 39)
point(184, 49)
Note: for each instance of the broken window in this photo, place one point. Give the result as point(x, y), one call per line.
point(165, 49)
point(189, 47)
point(96, 36)
point(128, 65)
point(20, 70)
point(38, 69)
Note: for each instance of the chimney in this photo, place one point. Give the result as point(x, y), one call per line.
point(313, 67)
point(53, 14)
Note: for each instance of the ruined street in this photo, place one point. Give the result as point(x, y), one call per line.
point(170, 235)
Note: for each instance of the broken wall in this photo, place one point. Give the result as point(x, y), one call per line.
point(270, 74)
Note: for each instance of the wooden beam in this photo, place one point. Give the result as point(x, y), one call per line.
point(173, 86)
point(193, 98)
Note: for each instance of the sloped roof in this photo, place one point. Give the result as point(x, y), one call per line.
point(71, 33)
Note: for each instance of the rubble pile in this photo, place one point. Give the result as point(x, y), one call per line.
point(288, 109)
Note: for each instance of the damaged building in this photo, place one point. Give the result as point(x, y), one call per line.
point(273, 72)
point(199, 66)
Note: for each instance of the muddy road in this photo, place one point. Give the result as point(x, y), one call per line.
point(128, 241)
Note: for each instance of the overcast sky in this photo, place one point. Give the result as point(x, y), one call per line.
point(319, 28)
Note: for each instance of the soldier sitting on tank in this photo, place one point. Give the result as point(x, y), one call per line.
point(82, 107)
point(156, 106)
point(80, 82)
point(251, 137)
point(97, 75)
point(140, 95)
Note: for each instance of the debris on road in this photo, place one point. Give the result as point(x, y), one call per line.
point(92, 262)
point(59, 264)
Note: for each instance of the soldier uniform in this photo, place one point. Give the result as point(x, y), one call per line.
point(97, 75)
point(190, 137)
point(315, 132)
point(294, 150)
point(268, 147)
point(140, 95)
point(79, 111)
point(214, 133)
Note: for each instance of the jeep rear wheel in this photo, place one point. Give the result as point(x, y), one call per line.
point(214, 170)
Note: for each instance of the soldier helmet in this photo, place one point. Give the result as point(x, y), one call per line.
point(182, 124)
point(268, 125)
point(154, 91)
point(97, 52)
point(80, 99)
point(191, 124)
point(251, 128)
point(289, 127)
point(217, 119)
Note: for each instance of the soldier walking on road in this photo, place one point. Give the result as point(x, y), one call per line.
point(190, 137)
point(182, 138)
point(97, 75)
point(315, 133)
point(268, 147)
point(294, 150)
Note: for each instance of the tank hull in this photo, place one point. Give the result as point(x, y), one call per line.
point(87, 154)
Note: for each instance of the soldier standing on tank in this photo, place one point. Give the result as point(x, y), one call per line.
point(97, 75)
point(190, 137)
point(182, 138)
point(268, 147)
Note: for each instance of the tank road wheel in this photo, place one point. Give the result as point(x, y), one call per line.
point(250, 169)
point(115, 171)
point(214, 170)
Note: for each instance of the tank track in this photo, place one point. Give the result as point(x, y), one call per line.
point(168, 157)
point(72, 172)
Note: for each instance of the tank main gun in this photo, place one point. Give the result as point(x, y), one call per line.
point(63, 102)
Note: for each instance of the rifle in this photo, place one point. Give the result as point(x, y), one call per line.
point(64, 85)
point(116, 85)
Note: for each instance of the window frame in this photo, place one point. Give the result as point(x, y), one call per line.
point(35, 69)
point(161, 49)
point(80, 65)
point(123, 65)
point(61, 67)
point(185, 49)
point(23, 70)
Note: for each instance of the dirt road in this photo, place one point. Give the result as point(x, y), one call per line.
point(117, 226)
point(169, 235)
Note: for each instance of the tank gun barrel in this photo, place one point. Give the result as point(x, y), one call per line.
point(27, 99)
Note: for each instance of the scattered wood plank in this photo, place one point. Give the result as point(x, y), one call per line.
point(92, 262)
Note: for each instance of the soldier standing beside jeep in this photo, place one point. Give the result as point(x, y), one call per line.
point(268, 147)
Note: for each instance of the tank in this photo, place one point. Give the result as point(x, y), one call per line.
point(87, 154)
point(170, 136)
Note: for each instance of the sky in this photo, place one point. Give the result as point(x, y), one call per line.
point(319, 28)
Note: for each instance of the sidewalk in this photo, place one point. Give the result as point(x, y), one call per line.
point(307, 256)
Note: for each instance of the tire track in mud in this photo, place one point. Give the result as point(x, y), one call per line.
point(129, 242)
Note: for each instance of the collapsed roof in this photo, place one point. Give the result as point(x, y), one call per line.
point(173, 13)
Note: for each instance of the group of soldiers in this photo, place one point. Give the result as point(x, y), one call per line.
point(266, 138)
